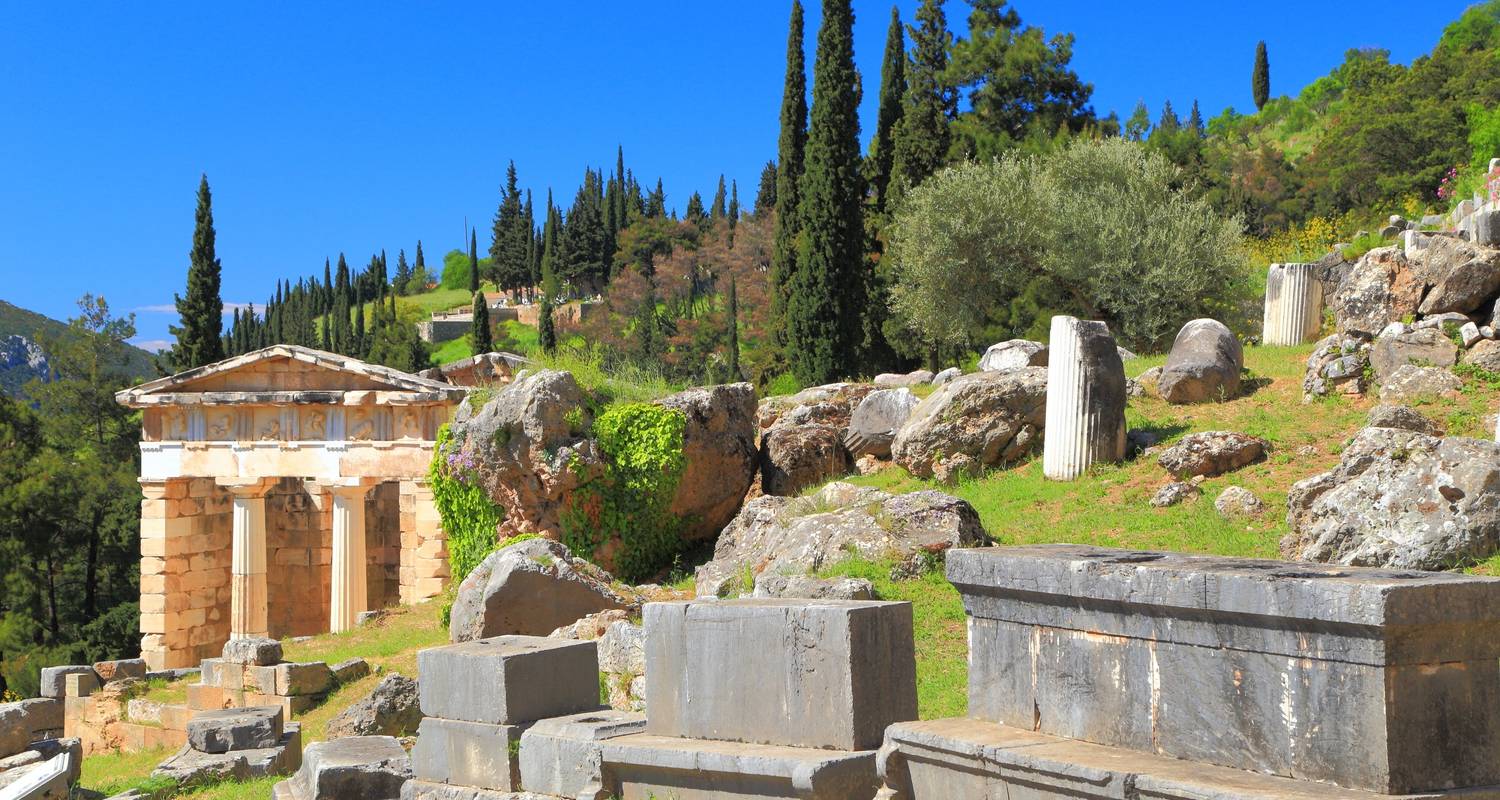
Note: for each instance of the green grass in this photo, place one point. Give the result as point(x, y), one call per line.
point(451, 351)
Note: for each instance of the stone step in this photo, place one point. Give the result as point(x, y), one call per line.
point(367, 767)
point(645, 765)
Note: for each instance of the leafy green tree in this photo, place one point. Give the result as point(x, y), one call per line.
point(1260, 78)
point(396, 343)
point(826, 309)
point(480, 329)
point(789, 156)
point(922, 136)
point(202, 310)
point(892, 89)
point(1139, 124)
point(765, 193)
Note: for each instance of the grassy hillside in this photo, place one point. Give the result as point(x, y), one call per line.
point(17, 321)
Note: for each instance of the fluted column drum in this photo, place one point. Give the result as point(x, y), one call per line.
point(1294, 304)
point(1085, 399)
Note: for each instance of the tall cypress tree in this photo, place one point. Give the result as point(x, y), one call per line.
point(892, 89)
point(789, 156)
point(419, 268)
point(533, 263)
point(473, 261)
point(694, 212)
point(480, 330)
point(546, 332)
point(826, 307)
point(734, 204)
point(358, 341)
point(734, 331)
point(922, 136)
point(199, 339)
point(1195, 120)
point(1260, 79)
point(717, 210)
point(508, 256)
point(325, 301)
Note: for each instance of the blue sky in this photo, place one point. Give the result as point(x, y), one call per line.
point(361, 126)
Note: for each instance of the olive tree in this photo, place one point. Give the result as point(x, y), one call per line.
point(1102, 225)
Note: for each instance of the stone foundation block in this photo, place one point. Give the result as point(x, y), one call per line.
point(311, 677)
point(121, 668)
point(965, 758)
point(259, 679)
point(255, 651)
point(426, 790)
point(562, 756)
point(189, 766)
point(505, 680)
point(642, 765)
point(235, 729)
point(202, 697)
point(803, 673)
point(1378, 680)
point(39, 715)
point(80, 684)
point(468, 754)
point(366, 767)
point(54, 679)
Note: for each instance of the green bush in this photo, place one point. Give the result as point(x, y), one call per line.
point(470, 518)
point(642, 447)
point(1101, 228)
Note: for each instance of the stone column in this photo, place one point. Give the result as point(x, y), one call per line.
point(350, 594)
point(1085, 399)
point(1294, 304)
point(247, 571)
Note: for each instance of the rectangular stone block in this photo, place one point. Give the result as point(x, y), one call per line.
point(54, 679)
point(803, 673)
point(642, 765)
point(260, 679)
point(302, 678)
point(80, 684)
point(506, 680)
point(1379, 680)
point(119, 669)
point(562, 756)
point(468, 754)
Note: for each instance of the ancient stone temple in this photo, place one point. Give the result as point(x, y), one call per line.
point(285, 492)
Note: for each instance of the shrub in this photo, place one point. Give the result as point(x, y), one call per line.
point(1101, 226)
point(470, 518)
point(642, 447)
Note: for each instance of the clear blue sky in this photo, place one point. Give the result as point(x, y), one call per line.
point(359, 126)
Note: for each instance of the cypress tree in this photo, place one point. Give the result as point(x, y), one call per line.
point(656, 202)
point(892, 89)
point(765, 193)
point(694, 213)
point(403, 272)
point(419, 269)
point(533, 262)
point(789, 155)
point(199, 339)
point(717, 210)
point(473, 261)
point(734, 332)
point(508, 264)
point(326, 300)
point(921, 141)
point(483, 341)
point(826, 308)
point(546, 333)
point(1195, 120)
point(358, 342)
point(622, 212)
point(1260, 79)
point(734, 204)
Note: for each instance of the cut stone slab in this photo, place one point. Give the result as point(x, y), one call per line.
point(255, 651)
point(80, 684)
point(15, 729)
point(1378, 680)
point(946, 759)
point(644, 765)
point(562, 756)
point(350, 670)
point(417, 789)
point(189, 767)
point(366, 767)
point(811, 588)
point(43, 715)
point(54, 679)
point(308, 677)
point(120, 668)
point(468, 754)
point(508, 680)
point(223, 730)
point(802, 673)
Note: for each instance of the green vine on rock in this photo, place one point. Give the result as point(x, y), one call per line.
point(470, 517)
point(642, 445)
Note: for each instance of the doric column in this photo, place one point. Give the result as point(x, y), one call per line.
point(1085, 399)
point(349, 593)
point(1294, 304)
point(247, 570)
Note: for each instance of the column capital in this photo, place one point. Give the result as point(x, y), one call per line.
point(349, 488)
point(247, 487)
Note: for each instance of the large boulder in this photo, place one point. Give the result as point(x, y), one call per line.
point(392, 708)
point(798, 536)
point(1464, 276)
point(1338, 365)
point(1013, 354)
point(829, 404)
point(1485, 354)
point(718, 449)
point(1382, 287)
point(1210, 453)
point(991, 418)
point(873, 425)
point(1204, 364)
point(531, 588)
point(1412, 383)
point(1387, 415)
point(1424, 347)
point(1402, 499)
point(802, 436)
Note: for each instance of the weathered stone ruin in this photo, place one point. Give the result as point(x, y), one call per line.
point(235, 743)
point(36, 763)
point(1085, 399)
point(1118, 674)
point(1294, 304)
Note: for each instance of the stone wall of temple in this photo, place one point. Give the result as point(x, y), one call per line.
point(185, 560)
point(383, 544)
point(299, 549)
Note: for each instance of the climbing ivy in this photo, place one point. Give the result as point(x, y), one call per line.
point(642, 446)
point(470, 518)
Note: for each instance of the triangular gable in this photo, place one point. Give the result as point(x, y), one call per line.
point(285, 368)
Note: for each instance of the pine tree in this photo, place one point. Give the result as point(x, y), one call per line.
point(717, 211)
point(656, 202)
point(734, 331)
point(546, 333)
point(922, 136)
point(1169, 122)
point(403, 272)
point(480, 332)
point(789, 164)
point(1139, 124)
point(202, 310)
point(826, 308)
point(694, 212)
point(1195, 120)
point(1260, 79)
point(765, 193)
point(892, 89)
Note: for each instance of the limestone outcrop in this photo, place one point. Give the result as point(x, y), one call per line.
point(991, 418)
point(802, 441)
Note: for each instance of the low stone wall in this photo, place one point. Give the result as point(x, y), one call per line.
point(185, 562)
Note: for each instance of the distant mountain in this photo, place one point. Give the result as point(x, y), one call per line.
point(22, 358)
